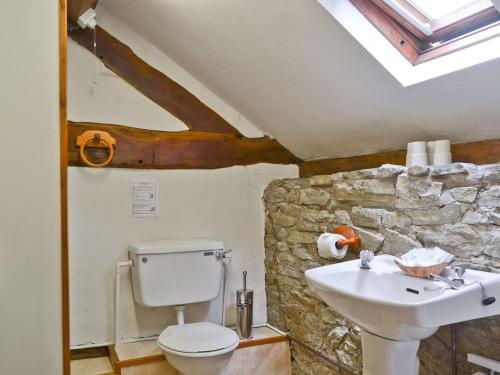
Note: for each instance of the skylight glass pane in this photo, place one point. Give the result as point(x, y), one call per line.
point(440, 8)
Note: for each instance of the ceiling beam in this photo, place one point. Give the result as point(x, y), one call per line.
point(482, 152)
point(152, 83)
point(152, 149)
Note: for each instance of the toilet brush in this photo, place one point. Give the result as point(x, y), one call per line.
point(244, 305)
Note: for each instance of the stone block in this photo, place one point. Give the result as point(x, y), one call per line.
point(302, 237)
point(492, 246)
point(321, 180)
point(275, 195)
point(490, 198)
point(365, 191)
point(342, 217)
point(464, 194)
point(370, 240)
point(392, 219)
point(418, 194)
point(367, 217)
point(282, 219)
point(447, 215)
point(396, 243)
point(315, 197)
point(458, 175)
point(491, 172)
point(459, 239)
point(418, 171)
point(389, 171)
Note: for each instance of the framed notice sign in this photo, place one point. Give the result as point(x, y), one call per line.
point(144, 198)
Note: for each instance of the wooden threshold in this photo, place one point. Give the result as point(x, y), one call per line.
point(262, 341)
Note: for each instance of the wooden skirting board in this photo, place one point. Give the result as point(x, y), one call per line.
point(482, 152)
point(150, 149)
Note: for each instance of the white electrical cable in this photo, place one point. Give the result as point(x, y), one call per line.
point(119, 266)
point(96, 66)
point(224, 287)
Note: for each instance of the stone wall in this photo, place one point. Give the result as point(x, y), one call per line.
point(393, 209)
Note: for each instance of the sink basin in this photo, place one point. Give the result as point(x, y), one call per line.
point(393, 319)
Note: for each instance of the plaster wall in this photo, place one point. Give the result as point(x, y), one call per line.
point(293, 69)
point(225, 204)
point(30, 316)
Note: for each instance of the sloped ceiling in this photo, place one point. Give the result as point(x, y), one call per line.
point(297, 74)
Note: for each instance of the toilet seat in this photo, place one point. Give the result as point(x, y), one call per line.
point(203, 339)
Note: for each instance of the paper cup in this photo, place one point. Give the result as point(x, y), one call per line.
point(430, 152)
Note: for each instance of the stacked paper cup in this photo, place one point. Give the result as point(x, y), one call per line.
point(417, 154)
point(442, 153)
point(428, 153)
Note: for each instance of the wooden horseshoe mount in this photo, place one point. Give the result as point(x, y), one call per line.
point(96, 139)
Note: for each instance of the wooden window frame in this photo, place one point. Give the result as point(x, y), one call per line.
point(461, 29)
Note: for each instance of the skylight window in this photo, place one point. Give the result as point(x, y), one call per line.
point(425, 29)
point(435, 9)
point(417, 40)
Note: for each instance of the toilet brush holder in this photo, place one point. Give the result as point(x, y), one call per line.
point(244, 313)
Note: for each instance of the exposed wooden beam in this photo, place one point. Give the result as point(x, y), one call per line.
point(483, 152)
point(77, 7)
point(152, 83)
point(150, 149)
point(330, 166)
point(63, 175)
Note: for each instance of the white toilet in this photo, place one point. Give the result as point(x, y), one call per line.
point(178, 272)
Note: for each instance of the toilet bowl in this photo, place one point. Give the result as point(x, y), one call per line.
point(198, 348)
point(181, 272)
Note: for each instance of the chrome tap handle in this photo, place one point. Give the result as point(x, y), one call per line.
point(223, 254)
point(366, 257)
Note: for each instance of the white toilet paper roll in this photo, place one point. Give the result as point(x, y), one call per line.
point(327, 246)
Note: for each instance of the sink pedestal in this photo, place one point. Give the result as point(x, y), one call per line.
point(383, 356)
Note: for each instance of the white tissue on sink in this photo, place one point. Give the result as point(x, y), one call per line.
point(425, 257)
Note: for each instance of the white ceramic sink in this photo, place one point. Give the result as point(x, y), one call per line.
point(378, 301)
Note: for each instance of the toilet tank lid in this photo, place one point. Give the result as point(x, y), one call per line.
point(176, 245)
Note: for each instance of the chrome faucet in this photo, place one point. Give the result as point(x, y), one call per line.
point(366, 257)
point(453, 283)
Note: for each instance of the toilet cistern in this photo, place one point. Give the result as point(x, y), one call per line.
point(178, 273)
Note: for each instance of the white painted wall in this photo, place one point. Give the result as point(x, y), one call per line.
point(30, 321)
point(224, 204)
point(111, 100)
point(293, 70)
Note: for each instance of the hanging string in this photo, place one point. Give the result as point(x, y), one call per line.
point(94, 80)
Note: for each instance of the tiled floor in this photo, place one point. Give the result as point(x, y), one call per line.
point(91, 366)
point(265, 359)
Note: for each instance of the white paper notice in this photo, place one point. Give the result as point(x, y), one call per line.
point(144, 198)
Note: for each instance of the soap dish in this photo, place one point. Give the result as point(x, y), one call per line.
point(423, 272)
